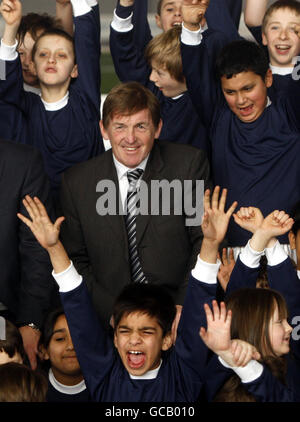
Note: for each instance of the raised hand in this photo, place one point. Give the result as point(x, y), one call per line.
point(46, 233)
point(217, 334)
point(226, 267)
point(249, 218)
point(215, 219)
point(193, 12)
point(277, 223)
point(11, 11)
point(242, 353)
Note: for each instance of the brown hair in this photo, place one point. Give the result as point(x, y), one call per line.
point(130, 98)
point(13, 342)
point(19, 383)
point(292, 5)
point(33, 23)
point(55, 32)
point(164, 50)
point(159, 6)
point(252, 311)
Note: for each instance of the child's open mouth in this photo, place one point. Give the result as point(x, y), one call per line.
point(135, 359)
point(245, 111)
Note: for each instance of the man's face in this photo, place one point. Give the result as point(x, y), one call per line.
point(246, 94)
point(169, 86)
point(280, 37)
point(25, 50)
point(131, 137)
point(139, 341)
point(170, 14)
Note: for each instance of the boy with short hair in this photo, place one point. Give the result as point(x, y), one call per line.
point(145, 366)
point(162, 75)
point(63, 123)
point(255, 143)
point(275, 29)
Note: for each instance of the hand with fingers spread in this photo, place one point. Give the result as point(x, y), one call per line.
point(249, 218)
point(217, 337)
point(46, 233)
point(226, 267)
point(193, 12)
point(217, 334)
point(215, 223)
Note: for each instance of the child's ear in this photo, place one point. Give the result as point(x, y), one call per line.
point(74, 72)
point(292, 240)
point(158, 21)
point(264, 39)
point(269, 78)
point(167, 342)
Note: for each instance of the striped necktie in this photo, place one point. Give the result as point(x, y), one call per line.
point(137, 274)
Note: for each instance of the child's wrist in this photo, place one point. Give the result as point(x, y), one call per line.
point(260, 239)
point(192, 26)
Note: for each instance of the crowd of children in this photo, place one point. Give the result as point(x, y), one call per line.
point(235, 99)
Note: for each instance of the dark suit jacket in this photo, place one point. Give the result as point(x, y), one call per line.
point(26, 283)
point(98, 244)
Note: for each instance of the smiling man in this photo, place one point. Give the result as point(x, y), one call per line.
point(110, 250)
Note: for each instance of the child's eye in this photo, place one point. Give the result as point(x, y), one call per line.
point(170, 9)
point(229, 92)
point(61, 55)
point(42, 54)
point(274, 27)
point(59, 339)
point(141, 126)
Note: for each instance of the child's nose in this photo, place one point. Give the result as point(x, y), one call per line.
point(283, 34)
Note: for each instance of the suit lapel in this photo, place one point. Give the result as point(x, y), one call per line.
point(152, 172)
point(116, 222)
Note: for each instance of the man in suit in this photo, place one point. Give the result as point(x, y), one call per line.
point(99, 245)
point(26, 284)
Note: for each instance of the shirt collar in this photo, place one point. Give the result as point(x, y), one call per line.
point(57, 105)
point(122, 170)
point(149, 375)
point(276, 70)
point(66, 389)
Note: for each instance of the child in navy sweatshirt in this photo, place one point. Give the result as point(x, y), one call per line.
point(63, 123)
point(274, 28)
point(162, 75)
point(255, 142)
point(142, 365)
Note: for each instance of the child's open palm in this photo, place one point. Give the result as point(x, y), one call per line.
point(46, 233)
point(215, 220)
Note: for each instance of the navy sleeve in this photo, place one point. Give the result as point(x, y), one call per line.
point(199, 69)
point(267, 388)
point(189, 345)
point(242, 276)
point(93, 345)
point(87, 47)
point(129, 62)
point(219, 19)
point(256, 32)
point(283, 278)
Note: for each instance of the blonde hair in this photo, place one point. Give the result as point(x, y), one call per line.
point(164, 51)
